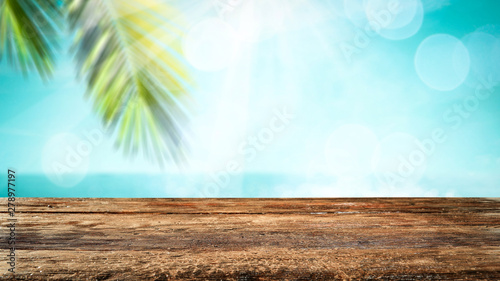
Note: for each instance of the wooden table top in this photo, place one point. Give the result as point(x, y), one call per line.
point(254, 239)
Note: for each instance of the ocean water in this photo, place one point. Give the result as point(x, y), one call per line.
point(147, 186)
point(244, 185)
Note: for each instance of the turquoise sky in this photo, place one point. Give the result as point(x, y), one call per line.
point(302, 98)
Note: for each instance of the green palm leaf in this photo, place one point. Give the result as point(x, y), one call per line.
point(27, 33)
point(130, 53)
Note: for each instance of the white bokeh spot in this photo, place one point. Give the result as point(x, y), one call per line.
point(211, 45)
point(257, 20)
point(406, 22)
point(406, 11)
point(65, 159)
point(484, 51)
point(442, 62)
point(399, 160)
point(349, 151)
point(355, 12)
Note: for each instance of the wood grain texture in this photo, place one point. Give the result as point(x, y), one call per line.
point(255, 239)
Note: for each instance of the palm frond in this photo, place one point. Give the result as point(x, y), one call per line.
point(28, 29)
point(130, 53)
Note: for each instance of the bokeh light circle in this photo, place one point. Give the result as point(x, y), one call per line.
point(442, 62)
point(65, 159)
point(210, 45)
point(256, 20)
point(400, 160)
point(349, 151)
point(355, 12)
point(398, 14)
point(394, 20)
point(412, 13)
point(484, 52)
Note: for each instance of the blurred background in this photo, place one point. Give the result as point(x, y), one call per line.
point(293, 98)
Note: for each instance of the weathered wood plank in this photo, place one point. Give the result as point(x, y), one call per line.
point(257, 206)
point(256, 239)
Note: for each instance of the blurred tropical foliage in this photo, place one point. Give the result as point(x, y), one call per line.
point(28, 29)
point(129, 53)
